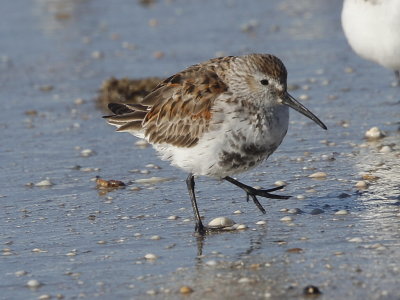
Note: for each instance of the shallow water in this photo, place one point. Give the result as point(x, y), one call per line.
point(81, 242)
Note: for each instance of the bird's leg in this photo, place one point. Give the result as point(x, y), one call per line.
point(252, 192)
point(397, 73)
point(190, 185)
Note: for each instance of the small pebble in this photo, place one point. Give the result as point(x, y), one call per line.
point(38, 250)
point(311, 290)
point(32, 112)
point(152, 180)
point(87, 152)
point(328, 157)
point(261, 222)
point(341, 212)
point(173, 218)
point(316, 211)
point(343, 195)
point(374, 133)
point(361, 184)
point(286, 219)
point(211, 263)
point(170, 246)
point(267, 295)
point(7, 252)
point(241, 227)
point(79, 101)
point(150, 256)
point(102, 183)
point(221, 222)
point(355, 240)
point(244, 280)
point(46, 88)
point(237, 212)
point(300, 197)
point(33, 283)
point(185, 290)
point(155, 237)
point(255, 266)
point(88, 169)
point(294, 250)
point(369, 177)
point(385, 149)
point(295, 211)
point(280, 183)
point(153, 166)
point(151, 292)
point(44, 183)
point(20, 273)
point(97, 54)
point(318, 175)
point(44, 297)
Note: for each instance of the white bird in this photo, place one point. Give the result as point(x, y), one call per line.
point(372, 28)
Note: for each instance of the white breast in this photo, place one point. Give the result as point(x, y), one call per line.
point(372, 28)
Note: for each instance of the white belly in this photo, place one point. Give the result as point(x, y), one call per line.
point(372, 28)
point(239, 144)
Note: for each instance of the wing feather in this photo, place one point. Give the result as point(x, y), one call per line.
point(178, 111)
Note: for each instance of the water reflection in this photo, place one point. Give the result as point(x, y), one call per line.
point(382, 198)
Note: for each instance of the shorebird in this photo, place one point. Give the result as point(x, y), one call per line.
point(217, 119)
point(372, 28)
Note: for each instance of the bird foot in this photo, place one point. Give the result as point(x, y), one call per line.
point(200, 229)
point(252, 192)
point(266, 193)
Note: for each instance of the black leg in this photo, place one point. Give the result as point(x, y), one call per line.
point(252, 192)
point(397, 73)
point(190, 185)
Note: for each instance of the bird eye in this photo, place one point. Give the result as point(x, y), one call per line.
point(264, 82)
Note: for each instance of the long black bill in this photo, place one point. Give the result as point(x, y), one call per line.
point(296, 105)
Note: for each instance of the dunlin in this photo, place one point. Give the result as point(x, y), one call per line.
point(372, 28)
point(217, 119)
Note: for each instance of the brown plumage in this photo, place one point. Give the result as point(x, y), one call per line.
point(178, 111)
point(218, 118)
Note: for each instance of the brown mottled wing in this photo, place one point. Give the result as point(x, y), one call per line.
point(181, 106)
